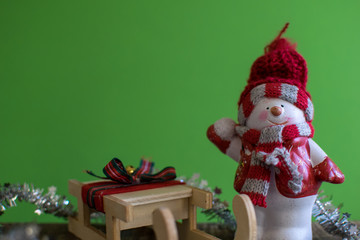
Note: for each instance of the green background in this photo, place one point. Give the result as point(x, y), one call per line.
point(85, 81)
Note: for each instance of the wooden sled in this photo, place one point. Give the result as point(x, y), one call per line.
point(135, 209)
point(165, 228)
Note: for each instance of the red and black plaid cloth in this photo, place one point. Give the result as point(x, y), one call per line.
point(93, 193)
point(122, 182)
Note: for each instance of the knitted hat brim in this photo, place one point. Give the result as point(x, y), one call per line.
point(274, 88)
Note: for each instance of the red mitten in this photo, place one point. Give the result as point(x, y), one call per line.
point(327, 171)
point(221, 133)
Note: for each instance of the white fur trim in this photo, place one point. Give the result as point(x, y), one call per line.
point(225, 128)
point(234, 148)
point(317, 155)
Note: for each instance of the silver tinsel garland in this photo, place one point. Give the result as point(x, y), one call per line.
point(333, 221)
point(49, 203)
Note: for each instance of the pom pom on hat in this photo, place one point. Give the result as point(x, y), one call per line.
point(280, 43)
point(280, 73)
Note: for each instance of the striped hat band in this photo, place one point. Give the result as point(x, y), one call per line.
point(284, 91)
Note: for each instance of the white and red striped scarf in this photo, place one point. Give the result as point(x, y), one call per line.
point(269, 151)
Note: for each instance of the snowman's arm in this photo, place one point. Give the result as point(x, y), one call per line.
point(324, 168)
point(222, 134)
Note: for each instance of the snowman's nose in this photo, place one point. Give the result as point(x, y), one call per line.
point(276, 111)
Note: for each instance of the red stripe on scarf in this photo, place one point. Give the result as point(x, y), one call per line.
point(257, 199)
point(256, 172)
point(290, 132)
point(268, 147)
point(252, 136)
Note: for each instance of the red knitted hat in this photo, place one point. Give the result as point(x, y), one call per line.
point(280, 73)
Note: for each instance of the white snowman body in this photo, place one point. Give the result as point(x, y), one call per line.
point(284, 218)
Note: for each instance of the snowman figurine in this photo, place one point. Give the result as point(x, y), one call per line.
point(280, 167)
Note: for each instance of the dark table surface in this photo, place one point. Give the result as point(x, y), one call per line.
point(59, 231)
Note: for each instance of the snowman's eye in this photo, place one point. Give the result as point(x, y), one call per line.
point(282, 105)
point(267, 108)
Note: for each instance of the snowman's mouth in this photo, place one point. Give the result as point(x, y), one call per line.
point(283, 123)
